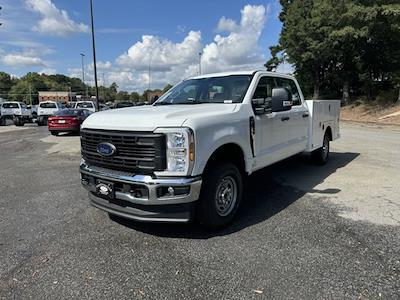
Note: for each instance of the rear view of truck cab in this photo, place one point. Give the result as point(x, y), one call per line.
point(186, 156)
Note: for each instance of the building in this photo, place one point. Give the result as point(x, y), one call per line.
point(153, 96)
point(57, 96)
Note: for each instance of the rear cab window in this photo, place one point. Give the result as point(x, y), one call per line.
point(291, 86)
point(10, 105)
point(47, 105)
point(84, 105)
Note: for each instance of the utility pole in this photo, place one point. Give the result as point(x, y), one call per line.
point(30, 95)
point(94, 55)
point(200, 54)
point(151, 56)
point(1, 9)
point(83, 74)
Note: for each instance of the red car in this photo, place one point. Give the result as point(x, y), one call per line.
point(67, 120)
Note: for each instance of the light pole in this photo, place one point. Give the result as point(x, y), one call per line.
point(151, 56)
point(200, 54)
point(94, 56)
point(83, 73)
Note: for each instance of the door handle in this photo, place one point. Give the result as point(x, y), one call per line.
point(305, 115)
point(285, 119)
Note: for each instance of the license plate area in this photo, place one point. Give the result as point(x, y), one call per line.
point(105, 189)
point(61, 121)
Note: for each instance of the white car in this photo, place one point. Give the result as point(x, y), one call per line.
point(187, 155)
point(46, 109)
point(89, 105)
point(18, 111)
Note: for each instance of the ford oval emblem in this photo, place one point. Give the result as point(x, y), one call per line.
point(106, 149)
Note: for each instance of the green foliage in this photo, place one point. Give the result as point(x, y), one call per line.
point(341, 47)
point(167, 87)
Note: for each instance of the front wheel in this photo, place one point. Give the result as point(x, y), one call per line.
point(220, 195)
point(321, 155)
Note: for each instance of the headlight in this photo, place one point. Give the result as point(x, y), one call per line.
point(180, 151)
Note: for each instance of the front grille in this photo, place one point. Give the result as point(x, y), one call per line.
point(137, 152)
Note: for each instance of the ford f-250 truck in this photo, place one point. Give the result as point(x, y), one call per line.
point(187, 156)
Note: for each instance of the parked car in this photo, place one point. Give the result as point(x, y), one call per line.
point(123, 104)
point(17, 111)
point(67, 120)
point(89, 105)
point(47, 109)
point(187, 155)
point(103, 107)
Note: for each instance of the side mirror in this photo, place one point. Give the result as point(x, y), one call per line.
point(281, 100)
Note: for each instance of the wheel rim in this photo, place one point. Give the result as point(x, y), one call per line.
point(226, 196)
point(325, 148)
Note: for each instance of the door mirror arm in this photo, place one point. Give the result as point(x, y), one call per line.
point(261, 106)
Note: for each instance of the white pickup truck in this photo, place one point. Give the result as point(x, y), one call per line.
point(47, 109)
point(186, 156)
point(17, 111)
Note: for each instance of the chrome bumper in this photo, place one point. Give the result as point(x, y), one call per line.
point(152, 184)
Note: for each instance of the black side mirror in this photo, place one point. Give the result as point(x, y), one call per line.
point(281, 99)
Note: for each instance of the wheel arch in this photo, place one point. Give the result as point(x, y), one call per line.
point(230, 152)
point(328, 131)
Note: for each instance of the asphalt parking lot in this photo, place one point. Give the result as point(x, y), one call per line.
point(303, 232)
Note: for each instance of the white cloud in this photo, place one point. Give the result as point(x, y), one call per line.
point(27, 58)
point(225, 24)
point(235, 47)
point(54, 21)
point(163, 54)
point(239, 48)
point(48, 71)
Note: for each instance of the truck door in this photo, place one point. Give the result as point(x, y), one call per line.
point(270, 129)
point(298, 118)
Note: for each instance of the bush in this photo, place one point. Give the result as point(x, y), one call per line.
point(387, 97)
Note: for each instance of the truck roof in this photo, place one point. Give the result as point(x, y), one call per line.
point(244, 72)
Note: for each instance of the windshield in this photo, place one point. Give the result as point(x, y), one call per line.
point(84, 105)
point(48, 105)
point(226, 89)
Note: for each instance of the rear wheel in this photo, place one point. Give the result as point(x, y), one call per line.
point(220, 196)
point(18, 121)
point(2, 121)
point(321, 155)
point(55, 133)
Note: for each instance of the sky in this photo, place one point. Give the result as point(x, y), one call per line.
point(48, 36)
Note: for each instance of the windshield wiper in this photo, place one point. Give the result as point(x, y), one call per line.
point(163, 103)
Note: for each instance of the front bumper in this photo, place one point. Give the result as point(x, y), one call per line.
point(153, 204)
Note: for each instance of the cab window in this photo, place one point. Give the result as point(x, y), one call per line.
point(264, 88)
point(291, 86)
point(47, 105)
point(10, 105)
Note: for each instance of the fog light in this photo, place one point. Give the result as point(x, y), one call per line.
point(171, 191)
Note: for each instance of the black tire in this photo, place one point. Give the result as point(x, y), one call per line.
point(55, 133)
point(2, 121)
point(18, 121)
point(210, 209)
point(321, 155)
point(41, 121)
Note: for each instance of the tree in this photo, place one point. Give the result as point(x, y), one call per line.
point(343, 44)
point(6, 83)
point(166, 88)
point(134, 96)
point(122, 95)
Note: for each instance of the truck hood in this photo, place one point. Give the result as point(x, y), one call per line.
point(148, 118)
